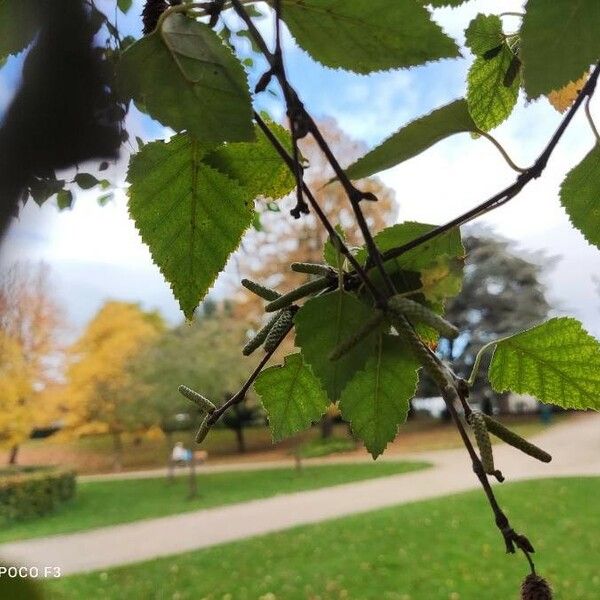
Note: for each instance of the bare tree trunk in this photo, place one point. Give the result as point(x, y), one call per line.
point(12, 457)
point(241, 441)
point(326, 427)
point(118, 451)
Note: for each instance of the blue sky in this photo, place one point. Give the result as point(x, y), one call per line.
point(95, 253)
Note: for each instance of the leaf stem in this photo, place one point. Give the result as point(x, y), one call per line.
point(476, 364)
point(501, 149)
point(590, 119)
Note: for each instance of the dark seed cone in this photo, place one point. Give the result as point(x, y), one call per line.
point(151, 13)
point(535, 587)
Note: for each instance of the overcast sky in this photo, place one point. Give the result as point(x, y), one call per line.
point(95, 252)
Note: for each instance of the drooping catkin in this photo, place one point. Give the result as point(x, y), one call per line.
point(482, 437)
point(260, 337)
point(418, 312)
point(367, 328)
point(300, 292)
point(203, 430)
point(535, 587)
point(418, 348)
point(510, 437)
point(260, 290)
point(204, 403)
point(279, 330)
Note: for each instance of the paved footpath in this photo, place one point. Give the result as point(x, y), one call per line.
point(575, 446)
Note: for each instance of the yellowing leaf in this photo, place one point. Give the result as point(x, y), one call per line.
point(563, 98)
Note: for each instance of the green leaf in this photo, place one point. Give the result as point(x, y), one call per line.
point(321, 324)
point(444, 3)
point(490, 100)
point(86, 181)
point(124, 5)
point(190, 215)
point(559, 41)
point(256, 166)
point(292, 396)
point(414, 138)
point(580, 196)
point(188, 79)
point(367, 35)
point(377, 398)
point(438, 261)
point(64, 199)
point(19, 22)
point(484, 33)
point(558, 362)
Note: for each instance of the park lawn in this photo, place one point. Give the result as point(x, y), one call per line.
point(94, 454)
point(442, 549)
point(101, 503)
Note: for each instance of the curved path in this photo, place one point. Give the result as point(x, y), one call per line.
point(575, 446)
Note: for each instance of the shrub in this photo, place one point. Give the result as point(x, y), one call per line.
point(33, 491)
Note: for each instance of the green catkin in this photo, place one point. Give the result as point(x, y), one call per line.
point(482, 437)
point(510, 437)
point(346, 345)
point(203, 430)
point(300, 292)
point(260, 290)
point(313, 269)
point(415, 311)
point(535, 587)
point(204, 403)
point(279, 330)
point(260, 337)
point(419, 349)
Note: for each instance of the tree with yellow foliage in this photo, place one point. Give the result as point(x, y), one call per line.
point(97, 374)
point(30, 323)
point(15, 388)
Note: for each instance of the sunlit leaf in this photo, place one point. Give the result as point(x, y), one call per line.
point(558, 362)
point(256, 166)
point(490, 99)
point(580, 196)
point(190, 215)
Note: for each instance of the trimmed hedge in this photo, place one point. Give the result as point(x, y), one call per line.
point(33, 491)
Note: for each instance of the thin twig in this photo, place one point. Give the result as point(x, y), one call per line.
point(333, 234)
point(512, 190)
point(301, 119)
point(500, 148)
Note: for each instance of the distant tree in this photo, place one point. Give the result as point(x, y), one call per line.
point(97, 389)
point(204, 355)
point(30, 323)
point(502, 292)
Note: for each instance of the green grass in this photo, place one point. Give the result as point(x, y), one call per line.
point(325, 447)
point(109, 502)
point(443, 549)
